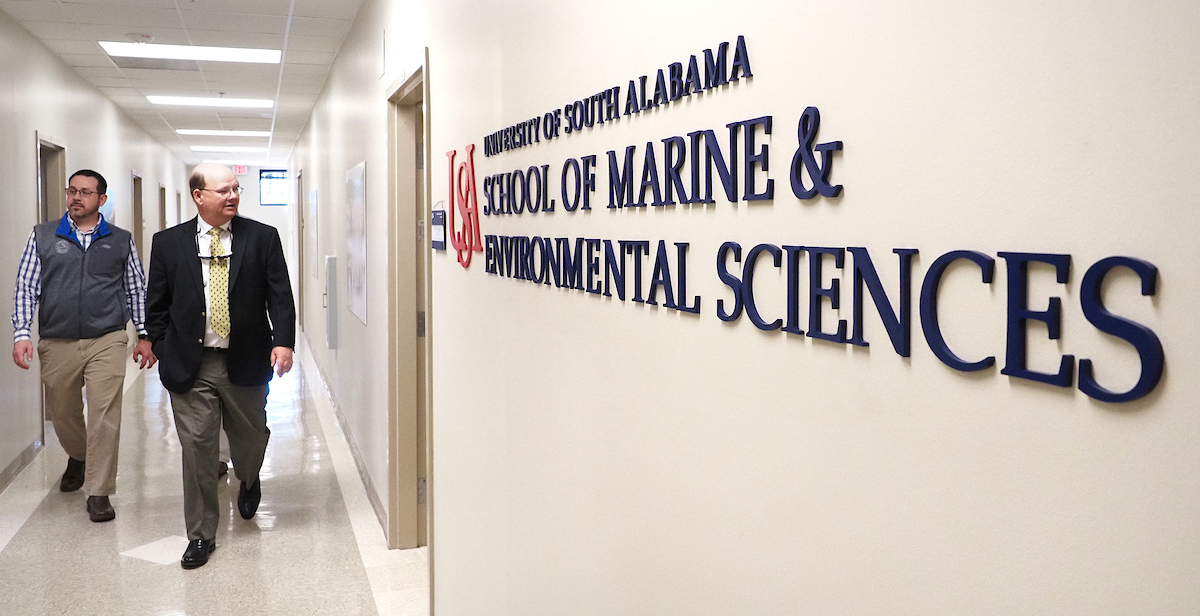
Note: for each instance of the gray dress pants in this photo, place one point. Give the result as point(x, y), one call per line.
point(200, 413)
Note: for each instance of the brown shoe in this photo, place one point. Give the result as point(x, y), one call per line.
point(99, 509)
point(72, 478)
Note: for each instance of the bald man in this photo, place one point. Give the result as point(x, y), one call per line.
point(220, 314)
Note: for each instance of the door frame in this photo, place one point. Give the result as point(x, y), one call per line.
point(46, 191)
point(410, 284)
point(42, 140)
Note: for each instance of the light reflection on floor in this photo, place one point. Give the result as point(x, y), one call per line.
point(310, 549)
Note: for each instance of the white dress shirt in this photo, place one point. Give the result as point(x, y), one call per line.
point(204, 245)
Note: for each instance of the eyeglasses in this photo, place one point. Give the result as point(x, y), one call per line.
point(226, 192)
point(71, 192)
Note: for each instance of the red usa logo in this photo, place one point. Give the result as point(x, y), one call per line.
point(464, 236)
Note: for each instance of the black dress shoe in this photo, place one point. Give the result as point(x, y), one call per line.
point(72, 478)
point(197, 553)
point(99, 509)
point(222, 469)
point(248, 498)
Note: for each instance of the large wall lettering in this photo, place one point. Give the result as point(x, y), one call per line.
point(733, 163)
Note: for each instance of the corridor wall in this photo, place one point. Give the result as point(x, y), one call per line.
point(39, 95)
point(719, 450)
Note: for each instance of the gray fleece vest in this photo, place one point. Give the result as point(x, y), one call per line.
point(82, 293)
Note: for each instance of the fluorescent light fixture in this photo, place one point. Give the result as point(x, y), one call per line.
point(224, 148)
point(212, 101)
point(223, 133)
point(191, 52)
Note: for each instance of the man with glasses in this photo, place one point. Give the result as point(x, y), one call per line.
point(85, 275)
point(220, 313)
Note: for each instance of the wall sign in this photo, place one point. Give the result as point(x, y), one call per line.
point(437, 227)
point(728, 163)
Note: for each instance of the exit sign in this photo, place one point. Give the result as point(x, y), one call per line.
point(239, 169)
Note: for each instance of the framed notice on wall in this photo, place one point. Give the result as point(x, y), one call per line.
point(356, 240)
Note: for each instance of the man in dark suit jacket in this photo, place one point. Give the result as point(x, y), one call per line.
point(220, 314)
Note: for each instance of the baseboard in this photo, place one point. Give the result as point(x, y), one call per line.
point(355, 452)
point(16, 466)
point(372, 495)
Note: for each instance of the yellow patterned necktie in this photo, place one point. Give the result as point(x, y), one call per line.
point(218, 280)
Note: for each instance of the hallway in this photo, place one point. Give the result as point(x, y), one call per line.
point(315, 546)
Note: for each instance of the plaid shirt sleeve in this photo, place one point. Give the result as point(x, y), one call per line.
point(29, 288)
point(135, 289)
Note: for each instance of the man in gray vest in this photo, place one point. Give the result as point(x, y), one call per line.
point(86, 276)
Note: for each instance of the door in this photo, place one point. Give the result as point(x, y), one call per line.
point(137, 224)
point(162, 207)
point(301, 223)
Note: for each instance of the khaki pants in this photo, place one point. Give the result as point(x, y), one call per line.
point(99, 364)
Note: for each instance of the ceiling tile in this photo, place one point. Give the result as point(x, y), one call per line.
point(318, 26)
point(117, 32)
point(75, 47)
point(221, 70)
point(313, 43)
point(308, 70)
point(111, 72)
point(235, 22)
point(107, 82)
point(188, 117)
point(86, 59)
point(55, 30)
point(309, 57)
point(253, 7)
point(35, 11)
point(162, 76)
point(119, 94)
point(129, 16)
point(290, 79)
point(224, 38)
point(308, 92)
point(332, 9)
point(162, 4)
point(237, 124)
point(296, 104)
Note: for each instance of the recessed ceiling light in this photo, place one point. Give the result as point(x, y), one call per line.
point(224, 133)
point(224, 148)
point(191, 52)
point(212, 101)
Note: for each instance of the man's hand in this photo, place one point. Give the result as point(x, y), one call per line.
point(142, 353)
point(22, 353)
point(281, 359)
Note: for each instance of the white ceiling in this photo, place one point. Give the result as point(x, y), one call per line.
point(308, 31)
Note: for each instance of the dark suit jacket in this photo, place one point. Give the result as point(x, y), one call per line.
point(258, 288)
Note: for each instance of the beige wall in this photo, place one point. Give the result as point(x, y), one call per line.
point(594, 456)
point(39, 94)
point(347, 127)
